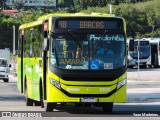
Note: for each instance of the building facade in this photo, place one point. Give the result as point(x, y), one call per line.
point(33, 3)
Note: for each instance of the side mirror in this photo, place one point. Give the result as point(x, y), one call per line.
point(131, 45)
point(46, 44)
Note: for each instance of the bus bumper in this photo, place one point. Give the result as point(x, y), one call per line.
point(56, 95)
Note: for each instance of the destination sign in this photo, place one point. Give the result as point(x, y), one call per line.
point(89, 24)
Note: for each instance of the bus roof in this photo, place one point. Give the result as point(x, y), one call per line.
point(35, 23)
point(75, 15)
point(45, 17)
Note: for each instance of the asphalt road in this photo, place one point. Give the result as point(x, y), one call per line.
point(143, 95)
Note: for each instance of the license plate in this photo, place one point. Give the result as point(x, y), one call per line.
point(88, 99)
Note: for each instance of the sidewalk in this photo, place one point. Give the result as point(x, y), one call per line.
point(143, 91)
point(143, 95)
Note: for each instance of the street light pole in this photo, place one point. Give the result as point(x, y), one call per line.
point(14, 40)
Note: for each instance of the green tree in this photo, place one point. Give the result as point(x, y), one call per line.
point(84, 4)
point(64, 3)
point(143, 15)
point(6, 29)
point(48, 2)
point(18, 4)
point(2, 4)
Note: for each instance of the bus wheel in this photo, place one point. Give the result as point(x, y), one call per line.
point(107, 107)
point(41, 96)
point(143, 66)
point(37, 103)
point(29, 102)
point(131, 66)
point(150, 66)
point(6, 80)
point(78, 104)
point(156, 66)
point(41, 102)
point(49, 106)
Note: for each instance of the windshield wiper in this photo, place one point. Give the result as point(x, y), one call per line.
point(101, 39)
point(56, 56)
point(105, 32)
point(75, 38)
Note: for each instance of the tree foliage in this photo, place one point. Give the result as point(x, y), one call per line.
point(2, 2)
point(7, 23)
point(84, 4)
point(6, 34)
point(18, 5)
point(142, 15)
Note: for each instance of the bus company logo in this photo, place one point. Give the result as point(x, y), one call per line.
point(6, 114)
point(21, 114)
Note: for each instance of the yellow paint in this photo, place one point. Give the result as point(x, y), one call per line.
point(55, 95)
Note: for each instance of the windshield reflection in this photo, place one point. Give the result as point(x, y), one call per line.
point(91, 52)
point(144, 52)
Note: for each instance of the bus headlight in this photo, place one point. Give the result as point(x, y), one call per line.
point(55, 83)
point(121, 83)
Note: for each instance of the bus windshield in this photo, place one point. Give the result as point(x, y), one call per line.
point(144, 50)
point(3, 63)
point(88, 51)
point(143, 54)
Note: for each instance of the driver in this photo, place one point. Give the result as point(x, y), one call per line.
point(104, 50)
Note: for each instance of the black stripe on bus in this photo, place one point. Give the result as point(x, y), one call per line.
point(88, 75)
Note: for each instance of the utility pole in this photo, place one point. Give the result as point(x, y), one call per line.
point(14, 58)
point(110, 8)
point(138, 59)
point(14, 40)
point(3, 5)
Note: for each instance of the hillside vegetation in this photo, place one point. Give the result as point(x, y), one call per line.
point(142, 15)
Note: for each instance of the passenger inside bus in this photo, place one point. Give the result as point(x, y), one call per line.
point(104, 50)
point(71, 49)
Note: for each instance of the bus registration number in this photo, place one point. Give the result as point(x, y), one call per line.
point(88, 100)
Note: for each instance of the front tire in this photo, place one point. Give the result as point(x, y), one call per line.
point(78, 104)
point(49, 106)
point(29, 102)
point(37, 103)
point(6, 80)
point(143, 66)
point(156, 66)
point(150, 66)
point(107, 107)
point(41, 96)
point(131, 66)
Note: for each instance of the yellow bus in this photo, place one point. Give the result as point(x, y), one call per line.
point(73, 58)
